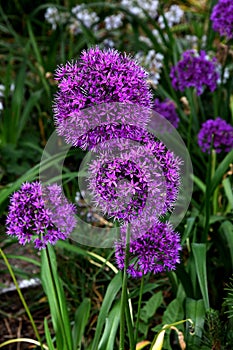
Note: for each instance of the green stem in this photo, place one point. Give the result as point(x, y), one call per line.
point(124, 296)
point(189, 131)
point(207, 197)
point(129, 323)
point(201, 108)
point(57, 299)
point(22, 298)
point(215, 194)
point(139, 308)
point(192, 117)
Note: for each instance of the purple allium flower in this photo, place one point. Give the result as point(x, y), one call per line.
point(137, 182)
point(222, 17)
point(167, 109)
point(105, 122)
point(99, 76)
point(195, 70)
point(220, 131)
point(156, 250)
point(41, 215)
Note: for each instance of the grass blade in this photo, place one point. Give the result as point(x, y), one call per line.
point(199, 253)
point(81, 318)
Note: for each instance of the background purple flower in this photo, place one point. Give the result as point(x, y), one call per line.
point(99, 76)
point(195, 70)
point(155, 250)
point(220, 131)
point(222, 17)
point(40, 215)
point(167, 109)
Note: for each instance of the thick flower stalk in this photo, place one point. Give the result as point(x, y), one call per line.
point(222, 18)
point(218, 133)
point(195, 70)
point(155, 250)
point(40, 215)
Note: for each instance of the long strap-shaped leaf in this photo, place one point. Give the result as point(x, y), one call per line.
point(199, 253)
point(53, 288)
point(112, 290)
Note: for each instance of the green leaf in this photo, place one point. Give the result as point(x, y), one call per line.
point(199, 183)
point(226, 229)
point(188, 229)
point(199, 253)
point(48, 336)
point(228, 190)
point(151, 306)
point(108, 338)
point(81, 318)
point(174, 312)
point(33, 99)
point(31, 175)
point(53, 288)
point(195, 309)
point(24, 258)
point(220, 171)
point(110, 296)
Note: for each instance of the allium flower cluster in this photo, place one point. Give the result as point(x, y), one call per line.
point(55, 17)
point(157, 36)
point(167, 109)
point(155, 250)
point(139, 7)
point(82, 15)
point(153, 62)
point(100, 76)
point(137, 183)
point(79, 15)
point(40, 215)
point(113, 21)
point(218, 132)
point(104, 105)
point(194, 42)
point(222, 18)
point(172, 16)
point(195, 70)
point(125, 180)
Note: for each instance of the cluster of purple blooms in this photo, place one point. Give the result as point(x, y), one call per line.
point(112, 173)
point(90, 111)
point(137, 184)
point(222, 18)
point(99, 76)
point(195, 70)
point(167, 109)
point(216, 133)
point(155, 250)
point(40, 214)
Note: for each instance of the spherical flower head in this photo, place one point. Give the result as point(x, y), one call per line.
point(99, 76)
point(127, 186)
point(168, 110)
point(134, 182)
point(195, 70)
point(155, 251)
point(218, 133)
point(104, 122)
point(222, 18)
point(40, 215)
